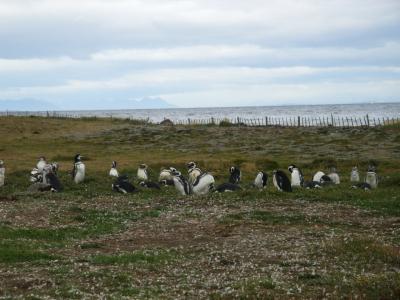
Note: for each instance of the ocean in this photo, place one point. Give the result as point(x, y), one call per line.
point(374, 110)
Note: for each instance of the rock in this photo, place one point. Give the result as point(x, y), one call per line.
point(167, 122)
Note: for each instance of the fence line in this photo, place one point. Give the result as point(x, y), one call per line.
point(298, 121)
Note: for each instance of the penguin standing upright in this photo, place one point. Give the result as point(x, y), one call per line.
point(297, 178)
point(334, 176)
point(142, 173)
point(78, 172)
point(193, 172)
point(235, 176)
point(50, 175)
point(113, 171)
point(261, 179)
point(371, 177)
point(41, 164)
point(203, 184)
point(2, 173)
point(354, 175)
point(281, 181)
point(180, 183)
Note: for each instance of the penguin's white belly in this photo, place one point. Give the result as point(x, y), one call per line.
point(205, 184)
point(317, 176)
point(40, 165)
point(80, 173)
point(296, 179)
point(142, 175)
point(276, 183)
point(258, 182)
point(193, 175)
point(179, 186)
point(372, 179)
point(354, 177)
point(113, 172)
point(2, 176)
point(165, 175)
point(335, 178)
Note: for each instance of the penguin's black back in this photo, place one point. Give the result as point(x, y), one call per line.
point(54, 182)
point(227, 186)
point(283, 181)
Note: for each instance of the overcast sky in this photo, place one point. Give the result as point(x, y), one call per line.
point(79, 54)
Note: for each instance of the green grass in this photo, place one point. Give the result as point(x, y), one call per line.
point(20, 252)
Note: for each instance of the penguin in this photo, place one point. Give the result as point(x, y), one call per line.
point(41, 164)
point(51, 178)
point(166, 174)
point(203, 184)
point(122, 185)
point(354, 175)
point(181, 184)
point(326, 180)
point(2, 173)
point(362, 185)
point(317, 177)
point(260, 181)
point(281, 181)
point(334, 176)
point(150, 185)
point(78, 172)
point(371, 177)
point(36, 176)
point(142, 173)
point(227, 187)
point(166, 182)
point(312, 185)
point(297, 178)
point(193, 172)
point(235, 176)
point(113, 171)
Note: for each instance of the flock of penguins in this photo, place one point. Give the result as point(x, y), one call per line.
point(44, 178)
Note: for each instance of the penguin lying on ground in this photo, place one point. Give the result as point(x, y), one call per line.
point(227, 187)
point(203, 184)
point(150, 185)
point(122, 185)
point(362, 185)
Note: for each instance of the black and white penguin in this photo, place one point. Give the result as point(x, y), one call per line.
point(227, 187)
point(50, 175)
point(334, 176)
point(166, 174)
point(235, 176)
point(326, 180)
point(281, 181)
point(2, 173)
point(317, 176)
point(150, 185)
point(203, 184)
point(122, 185)
point(312, 185)
point(372, 177)
point(362, 185)
point(261, 180)
point(113, 171)
point(354, 175)
point(181, 184)
point(78, 172)
point(142, 173)
point(193, 172)
point(297, 178)
point(41, 164)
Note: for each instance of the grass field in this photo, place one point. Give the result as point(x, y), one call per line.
point(89, 242)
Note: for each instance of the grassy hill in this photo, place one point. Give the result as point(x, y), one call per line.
point(89, 241)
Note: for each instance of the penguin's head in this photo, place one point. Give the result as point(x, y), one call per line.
point(143, 166)
point(113, 164)
point(191, 165)
point(354, 169)
point(42, 158)
point(371, 168)
point(172, 170)
point(175, 172)
point(1, 163)
point(78, 157)
point(142, 183)
point(291, 167)
point(54, 167)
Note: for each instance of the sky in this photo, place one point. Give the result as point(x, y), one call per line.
point(96, 54)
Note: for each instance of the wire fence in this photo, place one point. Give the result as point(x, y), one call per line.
point(298, 121)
